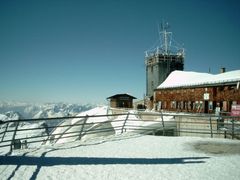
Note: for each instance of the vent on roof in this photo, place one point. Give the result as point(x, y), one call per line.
point(222, 70)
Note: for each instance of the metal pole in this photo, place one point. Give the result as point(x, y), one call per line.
point(232, 128)
point(178, 125)
point(210, 121)
point(124, 123)
point(13, 137)
point(84, 122)
point(163, 123)
point(5, 132)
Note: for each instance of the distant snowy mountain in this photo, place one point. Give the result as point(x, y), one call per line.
point(3, 117)
point(15, 111)
point(10, 115)
point(13, 115)
point(18, 110)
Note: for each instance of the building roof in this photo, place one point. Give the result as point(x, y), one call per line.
point(179, 79)
point(121, 95)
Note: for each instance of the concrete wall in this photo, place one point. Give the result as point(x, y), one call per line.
point(158, 67)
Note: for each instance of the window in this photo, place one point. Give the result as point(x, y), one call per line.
point(159, 105)
point(189, 105)
point(193, 106)
point(185, 105)
point(220, 88)
point(224, 108)
point(173, 104)
point(210, 105)
point(182, 104)
point(178, 105)
point(165, 104)
point(196, 105)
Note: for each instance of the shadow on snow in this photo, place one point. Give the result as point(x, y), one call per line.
point(54, 161)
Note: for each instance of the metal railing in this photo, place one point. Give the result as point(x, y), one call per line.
point(17, 134)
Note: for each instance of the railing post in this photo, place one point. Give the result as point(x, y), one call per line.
point(218, 122)
point(210, 121)
point(124, 123)
point(84, 122)
point(232, 128)
point(5, 132)
point(163, 123)
point(13, 137)
point(178, 121)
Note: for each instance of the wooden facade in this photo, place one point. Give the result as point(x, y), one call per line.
point(121, 101)
point(203, 99)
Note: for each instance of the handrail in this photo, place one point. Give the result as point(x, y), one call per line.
point(180, 123)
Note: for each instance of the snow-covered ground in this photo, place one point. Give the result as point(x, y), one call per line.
point(25, 130)
point(87, 125)
point(118, 155)
point(127, 156)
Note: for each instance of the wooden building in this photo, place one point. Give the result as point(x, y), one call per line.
point(121, 101)
point(198, 92)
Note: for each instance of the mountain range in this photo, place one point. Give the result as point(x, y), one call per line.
point(20, 110)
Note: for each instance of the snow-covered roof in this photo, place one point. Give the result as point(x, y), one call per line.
point(188, 78)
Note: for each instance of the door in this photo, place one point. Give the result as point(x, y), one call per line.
point(205, 106)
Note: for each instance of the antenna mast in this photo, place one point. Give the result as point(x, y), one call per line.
point(165, 37)
point(166, 45)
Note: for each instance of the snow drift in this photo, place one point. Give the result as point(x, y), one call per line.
point(95, 123)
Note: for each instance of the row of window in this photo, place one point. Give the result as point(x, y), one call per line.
point(195, 105)
point(214, 90)
point(184, 105)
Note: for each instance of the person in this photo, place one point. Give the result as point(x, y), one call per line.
point(217, 110)
point(219, 119)
point(45, 126)
point(24, 144)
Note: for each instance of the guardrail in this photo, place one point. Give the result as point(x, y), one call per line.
point(27, 132)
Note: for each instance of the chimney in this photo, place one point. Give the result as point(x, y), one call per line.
point(222, 70)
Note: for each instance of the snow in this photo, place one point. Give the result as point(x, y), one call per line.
point(25, 130)
point(127, 156)
point(189, 78)
point(134, 121)
point(117, 155)
point(46, 110)
point(3, 117)
point(112, 125)
point(60, 135)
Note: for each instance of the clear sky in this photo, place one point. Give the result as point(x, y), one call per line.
point(87, 50)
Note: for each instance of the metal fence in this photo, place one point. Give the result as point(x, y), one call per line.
point(16, 134)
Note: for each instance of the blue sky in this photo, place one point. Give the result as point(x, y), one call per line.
point(87, 50)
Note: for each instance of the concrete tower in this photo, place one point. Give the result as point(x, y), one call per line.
point(162, 60)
